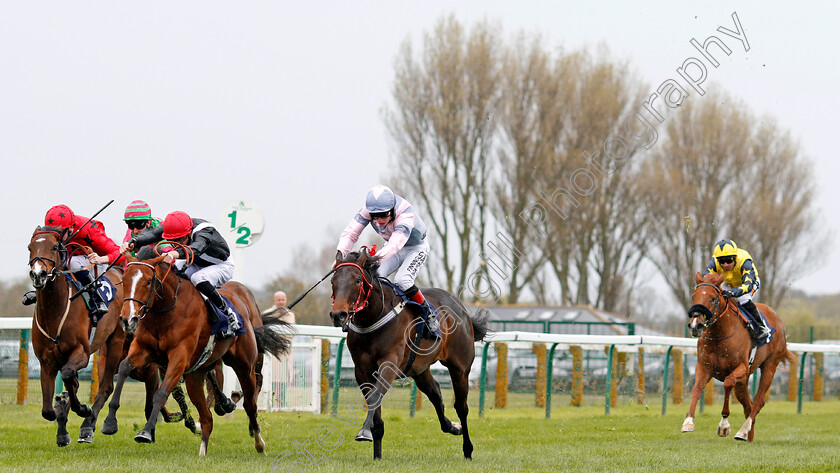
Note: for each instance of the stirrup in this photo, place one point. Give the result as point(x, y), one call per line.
point(29, 298)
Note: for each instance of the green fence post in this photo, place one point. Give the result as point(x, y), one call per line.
point(801, 375)
point(665, 381)
point(549, 380)
point(413, 399)
point(337, 376)
point(754, 382)
point(609, 381)
point(482, 383)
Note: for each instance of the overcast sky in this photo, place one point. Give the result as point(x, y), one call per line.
point(190, 105)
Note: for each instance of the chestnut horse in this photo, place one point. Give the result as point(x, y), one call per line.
point(171, 327)
point(723, 352)
point(382, 340)
point(61, 337)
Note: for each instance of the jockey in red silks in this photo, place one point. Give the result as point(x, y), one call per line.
point(212, 263)
point(105, 252)
point(406, 249)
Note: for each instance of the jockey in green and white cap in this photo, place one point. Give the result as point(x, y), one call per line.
point(138, 217)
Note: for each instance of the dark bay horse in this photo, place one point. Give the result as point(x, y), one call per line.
point(171, 327)
point(723, 352)
point(384, 351)
point(61, 338)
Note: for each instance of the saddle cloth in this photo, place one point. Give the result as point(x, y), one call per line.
point(415, 306)
point(747, 318)
point(220, 325)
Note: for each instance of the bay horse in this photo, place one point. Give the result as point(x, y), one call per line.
point(723, 352)
point(61, 330)
point(171, 327)
point(382, 340)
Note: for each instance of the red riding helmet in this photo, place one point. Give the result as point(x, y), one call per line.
point(176, 225)
point(59, 216)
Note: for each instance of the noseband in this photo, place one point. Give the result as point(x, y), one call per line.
point(360, 303)
point(711, 316)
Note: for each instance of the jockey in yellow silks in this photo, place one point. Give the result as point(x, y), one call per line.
point(740, 279)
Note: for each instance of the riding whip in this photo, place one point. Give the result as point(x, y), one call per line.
point(298, 299)
point(90, 219)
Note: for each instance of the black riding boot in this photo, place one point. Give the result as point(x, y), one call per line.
point(763, 329)
point(212, 294)
point(98, 308)
point(426, 313)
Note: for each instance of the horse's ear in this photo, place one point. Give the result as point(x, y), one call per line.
point(363, 258)
point(698, 278)
point(717, 279)
point(129, 258)
point(339, 258)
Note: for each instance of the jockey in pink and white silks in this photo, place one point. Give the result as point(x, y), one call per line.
point(406, 249)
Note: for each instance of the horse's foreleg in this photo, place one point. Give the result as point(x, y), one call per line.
point(373, 428)
point(47, 391)
point(702, 375)
point(177, 365)
point(195, 389)
point(739, 378)
point(109, 356)
point(62, 438)
point(723, 426)
point(110, 427)
point(69, 374)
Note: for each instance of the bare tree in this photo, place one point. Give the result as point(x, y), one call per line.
point(593, 243)
point(442, 128)
point(773, 210)
point(530, 123)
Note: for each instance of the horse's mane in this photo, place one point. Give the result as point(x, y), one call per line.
point(713, 278)
point(146, 253)
point(371, 264)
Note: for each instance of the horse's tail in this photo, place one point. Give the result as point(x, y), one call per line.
point(790, 358)
point(480, 322)
point(274, 337)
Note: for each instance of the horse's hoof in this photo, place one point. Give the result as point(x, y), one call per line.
point(144, 437)
point(455, 429)
point(687, 428)
point(86, 435)
point(62, 440)
point(228, 405)
point(109, 427)
point(738, 437)
point(174, 417)
point(189, 423)
point(218, 409)
point(723, 432)
point(364, 435)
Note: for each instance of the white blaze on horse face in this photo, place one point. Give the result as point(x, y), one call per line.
point(39, 240)
point(134, 281)
point(38, 268)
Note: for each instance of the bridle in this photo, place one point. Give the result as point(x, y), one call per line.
point(59, 248)
point(711, 316)
point(156, 284)
point(360, 304)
